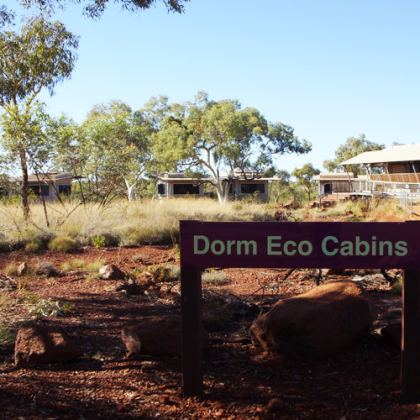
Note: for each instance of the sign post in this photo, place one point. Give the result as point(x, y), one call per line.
point(299, 245)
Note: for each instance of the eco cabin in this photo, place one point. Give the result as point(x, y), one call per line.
point(179, 185)
point(394, 171)
point(50, 184)
point(340, 183)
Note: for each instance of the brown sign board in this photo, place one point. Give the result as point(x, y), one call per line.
point(299, 245)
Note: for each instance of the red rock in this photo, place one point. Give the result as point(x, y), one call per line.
point(39, 344)
point(326, 320)
point(154, 335)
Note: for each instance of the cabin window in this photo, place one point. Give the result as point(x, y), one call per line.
point(161, 189)
point(64, 189)
point(186, 189)
point(42, 190)
point(252, 188)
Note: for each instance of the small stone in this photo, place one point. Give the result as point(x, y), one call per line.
point(111, 272)
point(45, 268)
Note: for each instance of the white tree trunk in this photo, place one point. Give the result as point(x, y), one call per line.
point(130, 190)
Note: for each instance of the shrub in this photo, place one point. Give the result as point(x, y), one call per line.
point(215, 278)
point(11, 269)
point(34, 246)
point(63, 243)
point(104, 240)
point(47, 308)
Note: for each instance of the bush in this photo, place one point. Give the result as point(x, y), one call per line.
point(34, 246)
point(48, 308)
point(104, 240)
point(63, 243)
point(11, 269)
point(215, 278)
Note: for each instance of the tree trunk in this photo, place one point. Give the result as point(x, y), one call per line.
point(220, 191)
point(130, 190)
point(24, 188)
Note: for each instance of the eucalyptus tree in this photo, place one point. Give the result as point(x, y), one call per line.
point(305, 177)
point(41, 55)
point(115, 142)
point(222, 138)
point(353, 146)
point(95, 8)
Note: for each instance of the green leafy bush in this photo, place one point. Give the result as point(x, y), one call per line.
point(63, 243)
point(104, 240)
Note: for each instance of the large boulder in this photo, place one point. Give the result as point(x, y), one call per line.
point(326, 320)
point(111, 272)
point(155, 336)
point(38, 344)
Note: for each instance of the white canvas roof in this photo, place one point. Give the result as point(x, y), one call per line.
point(403, 153)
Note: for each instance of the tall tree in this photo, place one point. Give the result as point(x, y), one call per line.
point(305, 177)
point(37, 58)
point(116, 146)
point(223, 138)
point(352, 147)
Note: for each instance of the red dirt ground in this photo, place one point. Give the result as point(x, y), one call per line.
point(359, 384)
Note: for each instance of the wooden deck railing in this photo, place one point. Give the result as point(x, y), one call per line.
point(399, 178)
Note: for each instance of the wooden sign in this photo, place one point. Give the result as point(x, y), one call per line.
point(299, 245)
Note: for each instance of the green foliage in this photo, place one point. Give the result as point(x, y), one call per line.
point(305, 177)
point(113, 144)
point(37, 58)
point(104, 240)
point(43, 308)
point(63, 244)
point(95, 8)
point(209, 135)
point(352, 147)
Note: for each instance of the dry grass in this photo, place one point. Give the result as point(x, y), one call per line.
point(133, 223)
point(376, 210)
point(157, 222)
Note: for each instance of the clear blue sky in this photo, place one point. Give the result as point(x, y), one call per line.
point(329, 68)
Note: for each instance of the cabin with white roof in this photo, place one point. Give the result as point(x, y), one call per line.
point(339, 183)
point(393, 171)
point(242, 184)
point(49, 185)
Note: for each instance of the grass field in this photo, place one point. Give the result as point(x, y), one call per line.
point(124, 223)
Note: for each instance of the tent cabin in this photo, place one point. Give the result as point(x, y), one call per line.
point(171, 185)
point(50, 184)
point(339, 183)
point(393, 171)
